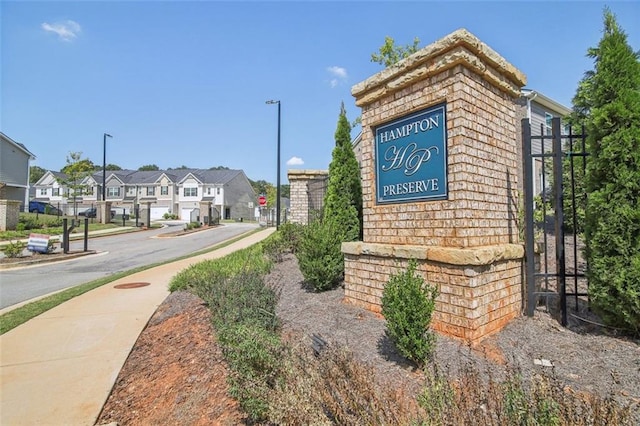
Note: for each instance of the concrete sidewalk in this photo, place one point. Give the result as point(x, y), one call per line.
point(59, 368)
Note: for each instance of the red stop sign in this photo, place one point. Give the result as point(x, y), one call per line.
point(262, 200)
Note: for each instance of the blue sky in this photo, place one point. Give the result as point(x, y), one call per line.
point(185, 83)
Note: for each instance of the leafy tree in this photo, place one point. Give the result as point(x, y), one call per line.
point(610, 100)
point(219, 168)
point(35, 173)
point(390, 53)
point(75, 171)
point(285, 190)
point(75, 162)
point(110, 167)
point(183, 167)
point(149, 168)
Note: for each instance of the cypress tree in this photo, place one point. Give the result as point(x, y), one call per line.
point(343, 201)
point(319, 253)
point(612, 224)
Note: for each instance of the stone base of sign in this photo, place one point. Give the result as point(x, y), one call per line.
point(479, 288)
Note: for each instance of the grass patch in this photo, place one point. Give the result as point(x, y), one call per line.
point(20, 315)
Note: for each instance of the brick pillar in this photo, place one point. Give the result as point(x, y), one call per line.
point(466, 241)
point(9, 214)
point(299, 193)
point(103, 211)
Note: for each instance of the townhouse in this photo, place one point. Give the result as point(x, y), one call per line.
point(182, 192)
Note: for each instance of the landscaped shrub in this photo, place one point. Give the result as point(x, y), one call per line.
point(244, 316)
point(255, 357)
point(200, 277)
point(320, 257)
point(14, 249)
point(407, 305)
point(291, 234)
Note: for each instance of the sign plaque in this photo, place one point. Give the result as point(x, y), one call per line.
point(411, 157)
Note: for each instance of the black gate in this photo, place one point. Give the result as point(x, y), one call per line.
point(553, 218)
point(316, 190)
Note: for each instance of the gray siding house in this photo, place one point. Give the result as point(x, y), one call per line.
point(182, 192)
point(539, 110)
point(14, 170)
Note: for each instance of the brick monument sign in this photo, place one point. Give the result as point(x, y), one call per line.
point(439, 182)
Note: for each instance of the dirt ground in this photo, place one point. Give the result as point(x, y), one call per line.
point(175, 373)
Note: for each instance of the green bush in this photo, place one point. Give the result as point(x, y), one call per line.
point(291, 234)
point(408, 304)
point(612, 225)
point(200, 277)
point(14, 249)
point(254, 356)
point(320, 257)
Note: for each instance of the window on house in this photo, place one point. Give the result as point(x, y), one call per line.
point(151, 190)
point(43, 191)
point(89, 190)
point(131, 190)
point(164, 190)
point(191, 192)
point(113, 191)
point(208, 191)
point(218, 191)
point(55, 192)
point(547, 123)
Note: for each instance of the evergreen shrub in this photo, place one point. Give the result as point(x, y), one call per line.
point(320, 256)
point(407, 305)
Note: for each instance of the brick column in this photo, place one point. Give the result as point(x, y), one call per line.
point(467, 244)
point(299, 192)
point(9, 214)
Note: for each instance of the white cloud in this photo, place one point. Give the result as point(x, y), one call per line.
point(295, 161)
point(339, 75)
point(67, 30)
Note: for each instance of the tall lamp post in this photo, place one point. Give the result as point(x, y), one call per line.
point(104, 165)
point(278, 167)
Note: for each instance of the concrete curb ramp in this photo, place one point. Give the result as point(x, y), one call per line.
point(59, 368)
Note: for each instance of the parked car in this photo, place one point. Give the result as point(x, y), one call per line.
point(93, 212)
point(43, 208)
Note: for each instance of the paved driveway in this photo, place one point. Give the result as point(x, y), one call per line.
point(116, 253)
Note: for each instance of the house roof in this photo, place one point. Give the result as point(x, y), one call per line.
point(216, 177)
point(546, 102)
point(18, 145)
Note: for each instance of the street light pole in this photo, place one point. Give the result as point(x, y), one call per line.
point(104, 165)
point(278, 167)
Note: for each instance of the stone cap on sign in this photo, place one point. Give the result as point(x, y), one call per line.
point(476, 256)
point(458, 48)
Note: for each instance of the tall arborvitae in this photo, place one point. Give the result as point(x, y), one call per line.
point(343, 201)
point(612, 227)
point(319, 253)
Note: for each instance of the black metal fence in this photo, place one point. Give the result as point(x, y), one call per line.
point(555, 264)
point(316, 190)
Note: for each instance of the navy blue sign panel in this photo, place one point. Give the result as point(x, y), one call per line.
point(411, 157)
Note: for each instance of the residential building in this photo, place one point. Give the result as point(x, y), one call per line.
point(181, 191)
point(539, 110)
point(14, 170)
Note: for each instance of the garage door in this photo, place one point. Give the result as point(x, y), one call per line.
point(158, 212)
point(190, 214)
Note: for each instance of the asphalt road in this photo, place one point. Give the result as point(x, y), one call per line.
point(116, 253)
